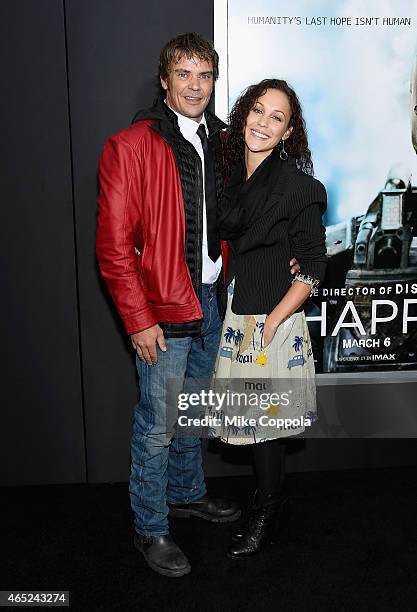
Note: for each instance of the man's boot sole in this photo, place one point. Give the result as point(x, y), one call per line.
point(165, 572)
point(183, 513)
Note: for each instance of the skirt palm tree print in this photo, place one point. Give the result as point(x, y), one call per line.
point(285, 368)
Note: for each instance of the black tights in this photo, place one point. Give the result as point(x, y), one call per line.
point(268, 458)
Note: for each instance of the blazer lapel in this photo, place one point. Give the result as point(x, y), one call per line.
point(275, 200)
point(279, 186)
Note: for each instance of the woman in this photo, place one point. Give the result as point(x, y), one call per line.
point(270, 212)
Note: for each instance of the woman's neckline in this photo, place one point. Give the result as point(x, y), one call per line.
point(260, 165)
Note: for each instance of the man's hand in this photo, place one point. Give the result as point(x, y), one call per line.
point(295, 266)
point(144, 343)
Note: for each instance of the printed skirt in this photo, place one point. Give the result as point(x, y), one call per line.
point(282, 374)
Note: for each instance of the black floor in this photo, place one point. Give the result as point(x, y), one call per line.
point(351, 544)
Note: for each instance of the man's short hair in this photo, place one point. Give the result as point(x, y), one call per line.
point(188, 45)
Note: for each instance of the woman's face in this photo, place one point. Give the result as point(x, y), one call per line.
point(268, 121)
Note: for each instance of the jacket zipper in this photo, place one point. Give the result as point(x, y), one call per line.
point(199, 267)
point(199, 227)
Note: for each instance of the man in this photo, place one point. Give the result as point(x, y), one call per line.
point(160, 254)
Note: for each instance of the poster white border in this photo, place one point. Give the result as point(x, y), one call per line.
point(221, 29)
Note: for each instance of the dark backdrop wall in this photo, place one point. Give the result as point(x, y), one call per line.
point(75, 73)
point(41, 433)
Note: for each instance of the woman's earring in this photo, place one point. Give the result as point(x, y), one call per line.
point(283, 154)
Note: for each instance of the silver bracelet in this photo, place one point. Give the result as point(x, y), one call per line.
point(308, 280)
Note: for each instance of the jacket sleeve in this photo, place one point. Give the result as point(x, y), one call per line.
point(118, 222)
point(307, 233)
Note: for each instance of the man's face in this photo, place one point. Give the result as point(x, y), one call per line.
point(189, 86)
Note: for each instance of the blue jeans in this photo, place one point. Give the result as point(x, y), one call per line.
point(166, 468)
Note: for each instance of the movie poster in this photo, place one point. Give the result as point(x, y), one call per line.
point(353, 65)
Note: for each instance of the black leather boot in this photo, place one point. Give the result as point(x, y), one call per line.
point(282, 515)
point(208, 508)
point(264, 522)
point(162, 555)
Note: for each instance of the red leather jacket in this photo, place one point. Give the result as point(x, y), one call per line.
point(141, 230)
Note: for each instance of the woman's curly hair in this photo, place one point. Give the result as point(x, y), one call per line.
point(296, 145)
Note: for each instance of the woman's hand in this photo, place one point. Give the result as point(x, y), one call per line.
point(270, 329)
point(292, 300)
point(294, 266)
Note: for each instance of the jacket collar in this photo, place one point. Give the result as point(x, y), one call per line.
point(189, 127)
point(167, 120)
